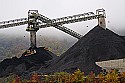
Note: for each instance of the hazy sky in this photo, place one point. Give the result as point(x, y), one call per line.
point(11, 9)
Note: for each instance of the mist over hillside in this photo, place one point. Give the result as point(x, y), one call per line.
point(15, 45)
point(12, 46)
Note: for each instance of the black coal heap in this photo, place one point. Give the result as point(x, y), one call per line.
point(24, 63)
point(97, 45)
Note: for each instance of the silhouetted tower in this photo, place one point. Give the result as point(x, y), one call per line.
point(32, 26)
point(101, 18)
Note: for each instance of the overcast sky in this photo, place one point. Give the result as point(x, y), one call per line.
point(12, 9)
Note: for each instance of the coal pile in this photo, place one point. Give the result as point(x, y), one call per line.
point(97, 45)
point(15, 65)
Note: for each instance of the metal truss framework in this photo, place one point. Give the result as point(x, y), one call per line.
point(36, 21)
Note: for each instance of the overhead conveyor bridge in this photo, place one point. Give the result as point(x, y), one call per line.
point(37, 21)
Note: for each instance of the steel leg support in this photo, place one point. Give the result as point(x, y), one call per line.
point(33, 39)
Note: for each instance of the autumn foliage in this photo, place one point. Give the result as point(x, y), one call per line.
point(112, 76)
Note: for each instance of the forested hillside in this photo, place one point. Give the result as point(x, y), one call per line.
point(57, 46)
point(12, 46)
point(16, 45)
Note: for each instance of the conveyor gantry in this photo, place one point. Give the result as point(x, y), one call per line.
point(36, 21)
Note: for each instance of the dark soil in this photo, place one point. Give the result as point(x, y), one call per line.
point(97, 45)
point(24, 63)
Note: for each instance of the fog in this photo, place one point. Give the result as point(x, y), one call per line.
point(12, 9)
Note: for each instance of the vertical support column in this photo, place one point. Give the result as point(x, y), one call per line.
point(101, 22)
point(101, 18)
point(33, 39)
point(32, 27)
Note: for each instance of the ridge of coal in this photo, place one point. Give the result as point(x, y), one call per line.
point(24, 63)
point(97, 45)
